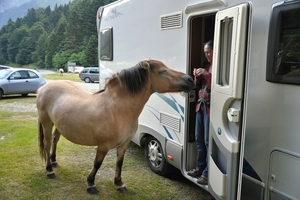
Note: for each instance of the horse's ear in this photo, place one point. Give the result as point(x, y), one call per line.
point(144, 64)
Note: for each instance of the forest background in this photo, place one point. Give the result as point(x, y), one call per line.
point(50, 38)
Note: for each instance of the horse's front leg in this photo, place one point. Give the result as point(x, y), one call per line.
point(119, 163)
point(97, 164)
point(55, 138)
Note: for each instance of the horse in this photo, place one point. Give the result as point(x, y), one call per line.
point(61, 71)
point(105, 119)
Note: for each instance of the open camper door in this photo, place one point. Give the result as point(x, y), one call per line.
point(227, 98)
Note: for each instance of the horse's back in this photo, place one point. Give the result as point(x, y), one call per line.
point(61, 86)
point(59, 91)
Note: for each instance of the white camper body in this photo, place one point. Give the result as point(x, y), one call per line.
point(254, 150)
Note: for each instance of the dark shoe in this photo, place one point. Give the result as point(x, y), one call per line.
point(194, 173)
point(202, 180)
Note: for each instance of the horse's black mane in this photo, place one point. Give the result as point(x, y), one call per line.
point(135, 78)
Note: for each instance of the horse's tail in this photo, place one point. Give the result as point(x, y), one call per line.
point(41, 140)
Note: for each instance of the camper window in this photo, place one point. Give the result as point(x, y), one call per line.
point(106, 44)
point(283, 64)
point(226, 32)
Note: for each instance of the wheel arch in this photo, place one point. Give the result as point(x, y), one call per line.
point(143, 132)
point(1, 93)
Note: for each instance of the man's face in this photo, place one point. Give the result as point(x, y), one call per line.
point(208, 53)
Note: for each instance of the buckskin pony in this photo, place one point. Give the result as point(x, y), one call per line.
point(106, 119)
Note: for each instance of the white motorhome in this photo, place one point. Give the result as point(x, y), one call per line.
point(254, 144)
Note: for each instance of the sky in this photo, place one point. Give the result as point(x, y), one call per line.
point(6, 4)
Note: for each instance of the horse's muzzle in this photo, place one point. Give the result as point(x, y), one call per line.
point(187, 83)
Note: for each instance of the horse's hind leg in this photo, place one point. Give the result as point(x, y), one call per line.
point(119, 163)
point(45, 146)
point(55, 138)
point(97, 164)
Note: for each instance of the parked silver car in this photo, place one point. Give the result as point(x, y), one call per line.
point(89, 74)
point(20, 81)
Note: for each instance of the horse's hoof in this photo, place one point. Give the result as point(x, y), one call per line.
point(122, 188)
point(51, 175)
point(92, 190)
point(54, 164)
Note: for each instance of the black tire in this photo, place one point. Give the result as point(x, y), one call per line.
point(87, 80)
point(1, 94)
point(155, 157)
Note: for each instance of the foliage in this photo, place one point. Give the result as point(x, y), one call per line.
point(60, 60)
point(38, 55)
point(14, 42)
point(51, 38)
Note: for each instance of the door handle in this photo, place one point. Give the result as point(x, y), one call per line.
point(233, 115)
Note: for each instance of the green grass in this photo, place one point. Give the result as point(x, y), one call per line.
point(15, 65)
point(66, 76)
point(23, 174)
point(12, 64)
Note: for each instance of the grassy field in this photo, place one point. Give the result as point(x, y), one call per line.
point(66, 76)
point(23, 174)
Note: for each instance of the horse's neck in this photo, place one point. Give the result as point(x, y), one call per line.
point(125, 102)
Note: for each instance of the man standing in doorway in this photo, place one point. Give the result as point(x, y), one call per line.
point(202, 78)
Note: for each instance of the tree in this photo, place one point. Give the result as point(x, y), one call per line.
point(14, 42)
point(38, 56)
point(73, 29)
point(55, 16)
point(88, 16)
point(28, 45)
point(31, 17)
point(54, 41)
point(3, 45)
point(8, 28)
point(78, 58)
point(61, 59)
point(2, 60)
point(25, 49)
point(91, 51)
point(19, 22)
point(36, 30)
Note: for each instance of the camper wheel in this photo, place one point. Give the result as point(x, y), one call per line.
point(155, 157)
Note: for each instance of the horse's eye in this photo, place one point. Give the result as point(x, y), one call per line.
point(163, 72)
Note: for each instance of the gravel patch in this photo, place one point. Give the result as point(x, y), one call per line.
point(18, 107)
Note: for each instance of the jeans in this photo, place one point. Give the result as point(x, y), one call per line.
point(201, 136)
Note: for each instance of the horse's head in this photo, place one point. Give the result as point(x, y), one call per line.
point(154, 76)
point(164, 79)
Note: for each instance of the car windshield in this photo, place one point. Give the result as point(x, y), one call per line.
point(4, 72)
